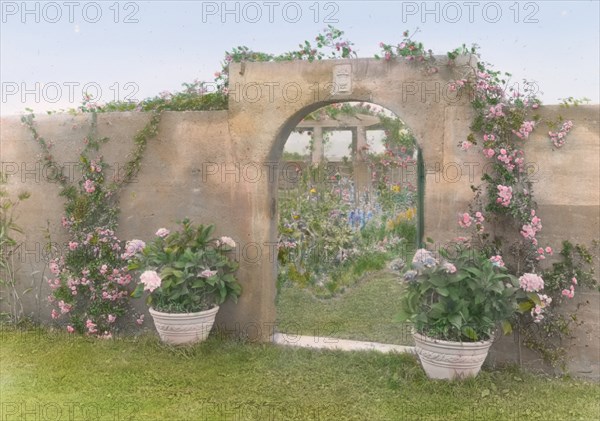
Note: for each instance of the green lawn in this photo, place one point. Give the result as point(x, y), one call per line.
point(56, 377)
point(365, 312)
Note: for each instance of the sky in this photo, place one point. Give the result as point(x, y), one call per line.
point(52, 52)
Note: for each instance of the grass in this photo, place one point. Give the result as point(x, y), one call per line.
point(365, 312)
point(53, 376)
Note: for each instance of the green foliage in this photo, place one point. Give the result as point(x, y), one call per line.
point(577, 261)
point(8, 230)
point(195, 270)
point(465, 297)
point(552, 337)
point(573, 102)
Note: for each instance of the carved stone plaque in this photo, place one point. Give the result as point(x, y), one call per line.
point(342, 79)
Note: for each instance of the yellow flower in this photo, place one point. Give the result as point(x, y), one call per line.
point(396, 188)
point(313, 190)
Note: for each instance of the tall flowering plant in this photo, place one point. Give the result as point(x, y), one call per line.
point(90, 282)
point(185, 271)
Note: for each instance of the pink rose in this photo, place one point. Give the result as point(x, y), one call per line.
point(89, 186)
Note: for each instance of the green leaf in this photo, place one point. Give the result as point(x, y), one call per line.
point(469, 332)
point(525, 306)
point(456, 320)
point(506, 327)
point(138, 291)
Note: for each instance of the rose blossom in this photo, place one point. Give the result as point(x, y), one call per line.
point(89, 186)
point(465, 220)
point(54, 268)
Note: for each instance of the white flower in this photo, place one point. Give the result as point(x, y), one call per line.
point(151, 280)
point(207, 273)
point(227, 241)
point(162, 232)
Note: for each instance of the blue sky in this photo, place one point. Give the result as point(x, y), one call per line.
point(51, 48)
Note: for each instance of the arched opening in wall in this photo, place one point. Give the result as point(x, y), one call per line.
point(348, 209)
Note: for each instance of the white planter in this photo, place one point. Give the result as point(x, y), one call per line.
point(184, 328)
point(450, 360)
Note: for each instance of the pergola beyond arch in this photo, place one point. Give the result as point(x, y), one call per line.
point(268, 100)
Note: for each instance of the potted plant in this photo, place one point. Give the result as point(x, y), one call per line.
point(188, 274)
point(456, 300)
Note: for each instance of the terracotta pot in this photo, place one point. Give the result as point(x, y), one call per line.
point(450, 360)
point(184, 328)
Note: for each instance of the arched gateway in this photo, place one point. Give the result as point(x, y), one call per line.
point(268, 100)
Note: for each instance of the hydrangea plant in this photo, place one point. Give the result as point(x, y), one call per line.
point(185, 271)
point(460, 294)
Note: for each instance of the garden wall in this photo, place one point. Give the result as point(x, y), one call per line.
point(220, 167)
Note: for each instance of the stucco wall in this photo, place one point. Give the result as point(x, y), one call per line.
point(219, 167)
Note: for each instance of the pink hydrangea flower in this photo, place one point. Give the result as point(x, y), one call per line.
point(70, 329)
point(497, 261)
point(151, 280)
point(465, 145)
point(132, 248)
point(73, 245)
point(530, 282)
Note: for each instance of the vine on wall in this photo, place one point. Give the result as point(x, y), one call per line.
point(90, 280)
